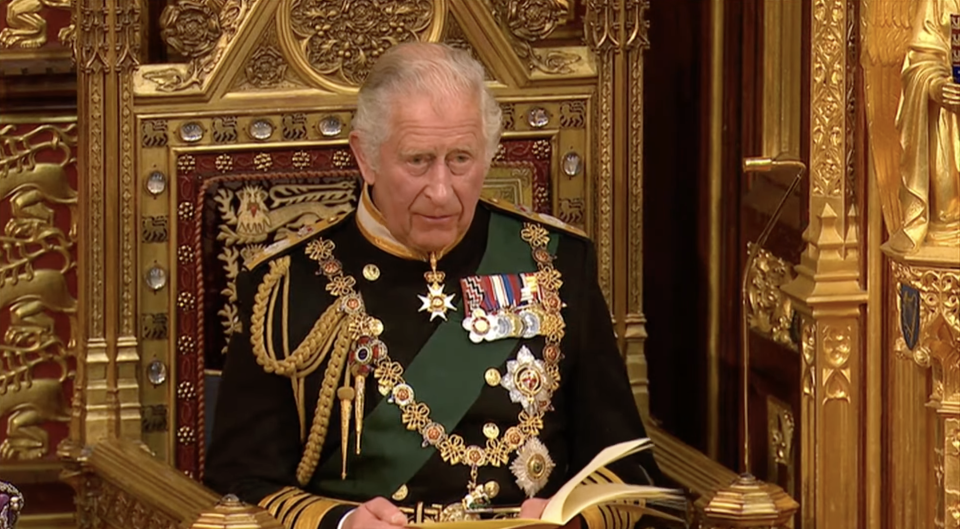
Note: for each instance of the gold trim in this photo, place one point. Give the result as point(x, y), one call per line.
point(716, 229)
point(29, 119)
point(47, 521)
point(873, 349)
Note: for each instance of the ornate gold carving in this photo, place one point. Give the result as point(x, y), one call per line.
point(508, 116)
point(154, 326)
point(153, 133)
point(30, 293)
point(885, 25)
point(771, 312)
point(808, 352)
point(294, 126)
point(26, 27)
point(836, 349)
point(266, 68)
point(780, 429)
point(605, 170)
point(531, 21)
point(571, 211)
point(155, 229)
point(199, 33)
point(252, 217)
point(828, 97)
point(127, 27)
point(928, 120)
point(335, 45)
point(224, 131)
point(939, 327)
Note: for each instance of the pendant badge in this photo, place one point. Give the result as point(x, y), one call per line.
point(436, 302)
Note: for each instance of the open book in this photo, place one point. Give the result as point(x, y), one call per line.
point(575, 496)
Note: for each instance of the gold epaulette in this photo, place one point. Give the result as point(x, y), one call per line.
point(528, 213)
point(303, 234)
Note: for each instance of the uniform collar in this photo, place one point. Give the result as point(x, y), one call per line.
point(374, 228)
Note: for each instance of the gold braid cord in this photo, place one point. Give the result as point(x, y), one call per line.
point(296, 509)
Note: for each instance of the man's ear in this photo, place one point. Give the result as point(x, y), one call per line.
point(366, 170)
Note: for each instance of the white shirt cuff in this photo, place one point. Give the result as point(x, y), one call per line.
point(344, 518)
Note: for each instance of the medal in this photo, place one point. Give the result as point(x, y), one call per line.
point(436, 302)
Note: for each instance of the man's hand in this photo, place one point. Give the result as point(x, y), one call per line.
point(946, 93)
point(533, 509)
point(377, 513)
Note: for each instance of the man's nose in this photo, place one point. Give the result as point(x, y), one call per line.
point(439, 187)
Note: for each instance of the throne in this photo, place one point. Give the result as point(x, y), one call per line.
point(246, 141)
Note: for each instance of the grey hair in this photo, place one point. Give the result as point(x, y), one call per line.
point(418, 68)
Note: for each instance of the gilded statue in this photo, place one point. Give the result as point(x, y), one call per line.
point(929, 193)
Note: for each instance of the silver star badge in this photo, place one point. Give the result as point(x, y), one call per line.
point(436, 302)
point(528, 382)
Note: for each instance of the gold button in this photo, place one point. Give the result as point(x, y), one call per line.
point(492, 376)
point(492, 488)
point(491, 431)
point(371, 272)
point(375, 326)
point(401, 493)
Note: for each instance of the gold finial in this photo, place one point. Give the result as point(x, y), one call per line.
point(231, 513)
point(748, 502)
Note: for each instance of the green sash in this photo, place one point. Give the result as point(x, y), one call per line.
point(447, 375)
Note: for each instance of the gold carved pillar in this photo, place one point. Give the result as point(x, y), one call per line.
point(827, 290)
point(617, 32)
point(107, 402)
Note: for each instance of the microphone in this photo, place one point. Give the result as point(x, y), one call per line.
point(781, 163)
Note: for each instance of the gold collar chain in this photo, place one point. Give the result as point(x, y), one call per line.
point(370, 354)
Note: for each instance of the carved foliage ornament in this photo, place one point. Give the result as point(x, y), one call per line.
point(530, 21)
point(201, 33)
point(339, 40)
point(191, 27)
point(770, 311)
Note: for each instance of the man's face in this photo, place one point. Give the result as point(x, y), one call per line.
point(431, 170)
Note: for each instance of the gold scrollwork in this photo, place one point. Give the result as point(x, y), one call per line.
point(770, 312)
point(335, 44)
point(32, 295)
point(531, 21)
point(27, 27)
point(198, 32)
point(781, 427)
point(837, 348)
point(827, 98)
point(251, 215)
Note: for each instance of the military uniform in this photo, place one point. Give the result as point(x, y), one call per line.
point(506, 382)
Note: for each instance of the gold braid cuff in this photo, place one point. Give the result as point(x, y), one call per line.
point(296, 509)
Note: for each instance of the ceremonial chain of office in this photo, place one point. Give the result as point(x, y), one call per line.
point(350, 337)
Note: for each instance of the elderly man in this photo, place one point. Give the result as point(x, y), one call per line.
point(432, 353)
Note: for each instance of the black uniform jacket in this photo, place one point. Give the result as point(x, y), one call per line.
point(256, 443)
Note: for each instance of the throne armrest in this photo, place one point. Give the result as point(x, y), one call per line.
point(120, 483)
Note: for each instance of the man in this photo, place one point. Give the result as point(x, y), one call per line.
point(343, 405)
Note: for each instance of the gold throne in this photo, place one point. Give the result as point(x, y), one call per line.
point(245, 140)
